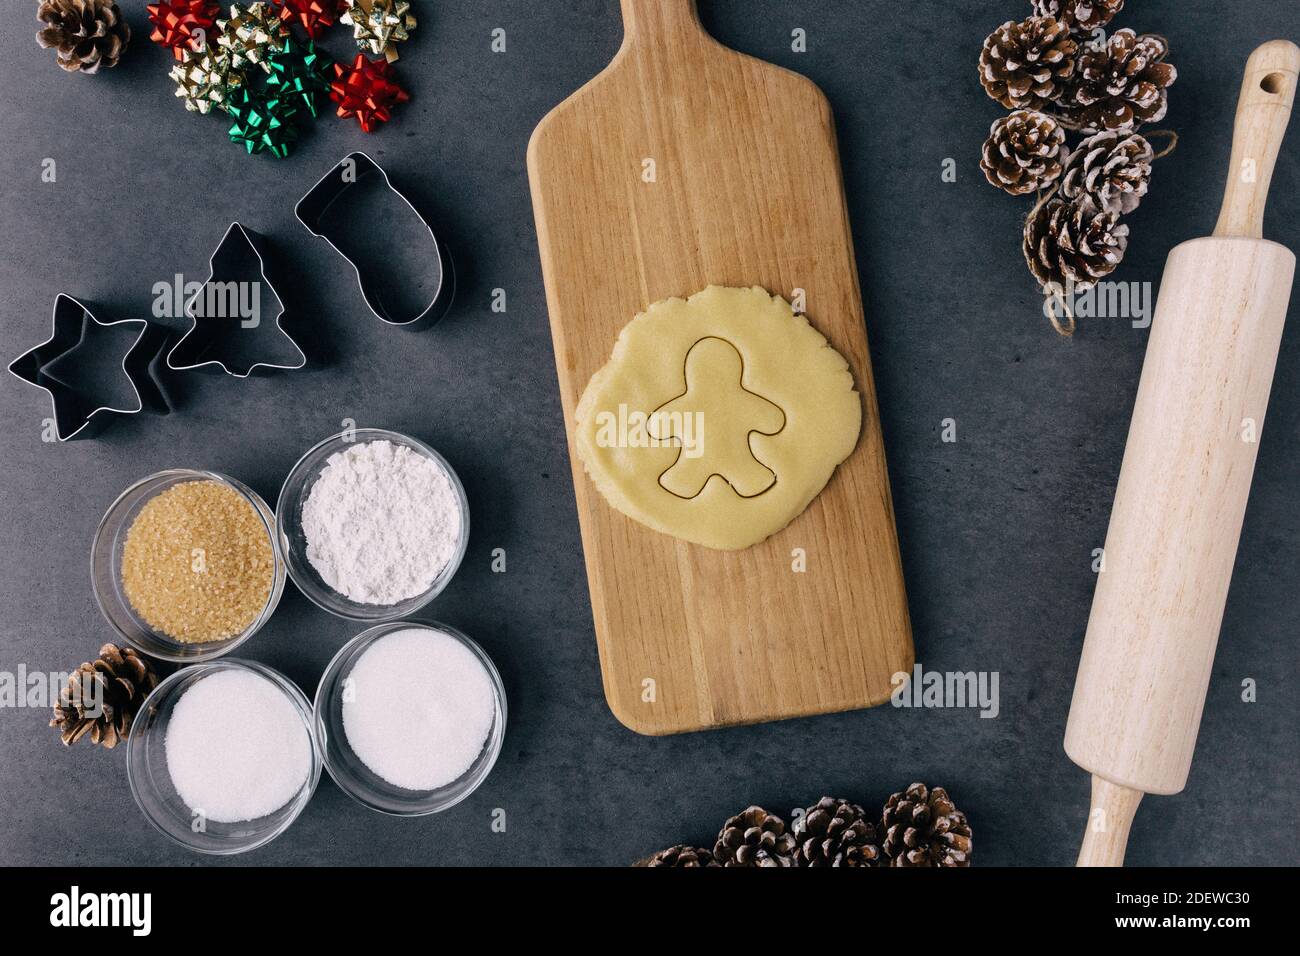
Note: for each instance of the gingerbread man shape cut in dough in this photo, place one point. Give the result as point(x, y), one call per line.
point(713, 422)
point(666, 483)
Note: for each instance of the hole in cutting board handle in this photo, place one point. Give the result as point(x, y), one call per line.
point(1273, 83)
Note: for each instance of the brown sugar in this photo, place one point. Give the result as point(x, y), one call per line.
point(198, 564)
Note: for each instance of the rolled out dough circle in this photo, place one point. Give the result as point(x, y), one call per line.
point(783, 361)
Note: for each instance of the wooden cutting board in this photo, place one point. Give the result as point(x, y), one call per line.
point(685, 164)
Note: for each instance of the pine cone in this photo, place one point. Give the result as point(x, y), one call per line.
point(1112, 168)
point(102, 698)
point(754, 837)
point(1073, 242)
point(835, 833)
point(1028, 65)
point(1120, 85)
point(686, 857)
point(923, 828)
point(88, 34)
point(1080, 16)
point(1023, 152)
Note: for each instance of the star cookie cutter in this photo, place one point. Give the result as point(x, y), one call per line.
point(218, 311)
point(350, 178)
point(78, 412)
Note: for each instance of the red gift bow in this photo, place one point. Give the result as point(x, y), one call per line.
point(312, 15)
point(367, 90)
point(175, 23)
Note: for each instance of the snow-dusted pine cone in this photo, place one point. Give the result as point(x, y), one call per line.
point(1081, 16)
point(1120, 85)
point(1073, 242)
point(1028, 65)
point(1112, 168)
point(1023, 152)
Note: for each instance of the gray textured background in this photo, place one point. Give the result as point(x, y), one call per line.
point(996, 529)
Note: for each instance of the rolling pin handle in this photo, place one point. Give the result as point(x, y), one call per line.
point(1267, 95)
point(1105, 837)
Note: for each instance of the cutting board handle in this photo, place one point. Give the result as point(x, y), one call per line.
point(649, 20)
point(1267, 95)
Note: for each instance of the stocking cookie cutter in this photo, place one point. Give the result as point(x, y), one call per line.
point(355, 171)
point(235, 253)
point(76, 414)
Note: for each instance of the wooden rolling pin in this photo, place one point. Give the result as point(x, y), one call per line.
point(1183, 485)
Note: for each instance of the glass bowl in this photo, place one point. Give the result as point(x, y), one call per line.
point(106, 569)
point(151, 782)
point(356, 779)
point(293, 543)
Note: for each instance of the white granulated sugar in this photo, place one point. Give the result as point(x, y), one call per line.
point(236, 747)
point(381, 522)
point(418, 708)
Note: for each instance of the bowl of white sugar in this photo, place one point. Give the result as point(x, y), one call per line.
point(410, 717)
point(223, 756)
point(372, 523)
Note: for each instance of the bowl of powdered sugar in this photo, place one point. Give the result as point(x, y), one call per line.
point(373, 524)
point(410, 717)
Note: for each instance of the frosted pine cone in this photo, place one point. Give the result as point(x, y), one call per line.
point(1120, 85)
point(1080, 16)
point(1023, 152)
point(1073, 242)
point(1028, 65)
point(1112, 168)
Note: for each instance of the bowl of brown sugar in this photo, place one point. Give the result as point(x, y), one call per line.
point(185, 565)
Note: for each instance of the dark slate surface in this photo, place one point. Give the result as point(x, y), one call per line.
point(997, 529)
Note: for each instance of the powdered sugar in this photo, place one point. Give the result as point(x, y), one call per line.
point(381, 522)
point(236, 747)
point(418, 706)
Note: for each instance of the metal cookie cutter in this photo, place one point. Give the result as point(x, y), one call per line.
point(226, 314)
point(354, 181)
point(78, 411)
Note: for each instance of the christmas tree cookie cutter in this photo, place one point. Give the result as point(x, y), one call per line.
point(79, 411)
point(358, 189)
point(226, 310)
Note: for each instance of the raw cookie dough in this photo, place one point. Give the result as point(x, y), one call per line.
point(718, 418)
